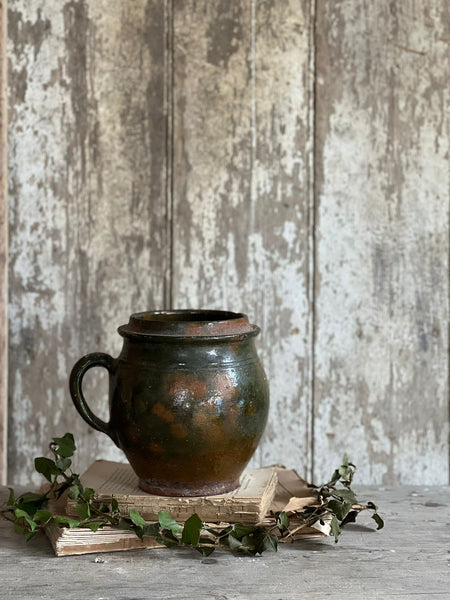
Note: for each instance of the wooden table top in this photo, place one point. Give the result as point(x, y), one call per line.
point(407, 559)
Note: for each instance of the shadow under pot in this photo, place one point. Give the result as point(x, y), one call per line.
point(188, 399)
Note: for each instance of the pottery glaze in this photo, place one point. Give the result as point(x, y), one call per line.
point(188, 399)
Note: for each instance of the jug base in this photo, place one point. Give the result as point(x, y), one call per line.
point(181, 489)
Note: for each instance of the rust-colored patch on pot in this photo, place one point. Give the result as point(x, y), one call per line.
point(181, 383)
point(160, 411)
point(225, 385)
point(198, 388)
point(233, 413)
point(193, 329)
point(201, 419)
point(178, 430)
point(217, 433)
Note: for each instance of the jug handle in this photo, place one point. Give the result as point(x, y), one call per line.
point(95, 359)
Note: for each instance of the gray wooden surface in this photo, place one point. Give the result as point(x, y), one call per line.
point(406, 560)
point(284, 158)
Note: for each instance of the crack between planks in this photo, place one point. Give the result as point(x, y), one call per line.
point(3, 249)
point(169, 79)
point(312, 224)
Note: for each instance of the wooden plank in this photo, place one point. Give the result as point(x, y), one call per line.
point(242, 221)
point(406, 560)
point(89, 243)
point(382, 143)
point(3, 251)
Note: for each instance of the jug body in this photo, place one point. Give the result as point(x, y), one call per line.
point(188, 400)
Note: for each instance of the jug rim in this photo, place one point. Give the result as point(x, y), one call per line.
point(189, 324)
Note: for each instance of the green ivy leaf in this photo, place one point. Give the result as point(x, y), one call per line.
point(205, 546)
point(29, 507)
point(114, 505)
point(345, 472)
point(334, 478)
point(378, 520)
point(340, 509)
point(248, 544)
point(241, 530)
point(18, 512)
point(191, 530)
point(74, 492)
point(219, 533)
point(94, 525)
point(63, 464)
point(283, 521)
point(65, 445)
point(125, 523)
point(61, 520)
point(59, 491)
point(166, 522)
point(350, 518)
point(151, 530)
point(265, 542)
point(43, 516)
point(88, 494)
point(32, 534)
point(136, 518)
point(46, 467)
point(83, 510)
point(348, 495)
point(335, 529)
point(233, 542)
point(21, 514)
point(11, 499)
point(168, 539)
point(31, 498)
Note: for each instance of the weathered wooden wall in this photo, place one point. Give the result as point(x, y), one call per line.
point(285, 158)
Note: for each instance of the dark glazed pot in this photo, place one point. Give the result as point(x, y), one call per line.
point(188, 399)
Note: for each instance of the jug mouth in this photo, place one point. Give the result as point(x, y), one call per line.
point(187, 324)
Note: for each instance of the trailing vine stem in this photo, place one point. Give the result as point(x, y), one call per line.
point(30, 512)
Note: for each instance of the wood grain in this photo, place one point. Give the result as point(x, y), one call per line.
point(242, 229)
point(3, 250)
point(88, 219)
point(382, 177)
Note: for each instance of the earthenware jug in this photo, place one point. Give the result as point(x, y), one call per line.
point(188, 399)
